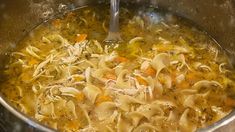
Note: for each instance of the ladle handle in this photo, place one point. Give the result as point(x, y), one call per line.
point(114, 21)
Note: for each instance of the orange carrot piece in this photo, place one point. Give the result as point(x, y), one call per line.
point(150, 71)
point(80, 37)
point(163, 48)
point(111, 76)
point(78, 78)
point(57, 23)
point(26, 76)
point(230, 102)
point(70, 14)
point(120, 59)
point(141, 81)
point(80, 97)
point(74, 125)
point(102, 98)
point(33, 61)
point(161, 79)
point(193, 77)
point(183, 85)
point(173, 77)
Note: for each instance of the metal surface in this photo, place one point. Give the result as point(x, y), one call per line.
point(17, 17)
point(14, 121)
point(114, 35)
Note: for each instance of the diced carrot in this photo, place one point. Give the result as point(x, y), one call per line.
point(163, 48)
point(120, 59)
point(193, 77)
point(74, 125)
point(110, 75)
point(183, 85)
point(102, 98)
point(26, 76)
point(141, 81)
point(230, 102)
point(80, 97)
point(173, 77)
point(211, 76)
point(78, 78)
point(80, 37)
point(33, 61)
point(70, 14)
point(150, 71)
point(57, 23)
point(161, 79)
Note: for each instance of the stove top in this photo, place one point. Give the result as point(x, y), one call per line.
point(10, 123)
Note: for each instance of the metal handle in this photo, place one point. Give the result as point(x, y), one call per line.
point(114, 21)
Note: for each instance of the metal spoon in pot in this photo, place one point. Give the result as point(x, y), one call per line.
point(114, 35)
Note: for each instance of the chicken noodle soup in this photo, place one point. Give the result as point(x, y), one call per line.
point(165, 76)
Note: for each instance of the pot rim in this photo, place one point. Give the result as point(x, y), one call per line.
point(24, 117)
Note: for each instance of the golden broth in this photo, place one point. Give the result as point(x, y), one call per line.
point(165, 76)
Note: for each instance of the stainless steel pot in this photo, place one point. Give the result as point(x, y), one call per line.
point(17, 17)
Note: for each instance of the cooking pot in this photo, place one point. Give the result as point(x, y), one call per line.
point(18, 17)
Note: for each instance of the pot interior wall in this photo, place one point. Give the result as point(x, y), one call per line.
point(18, 17)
